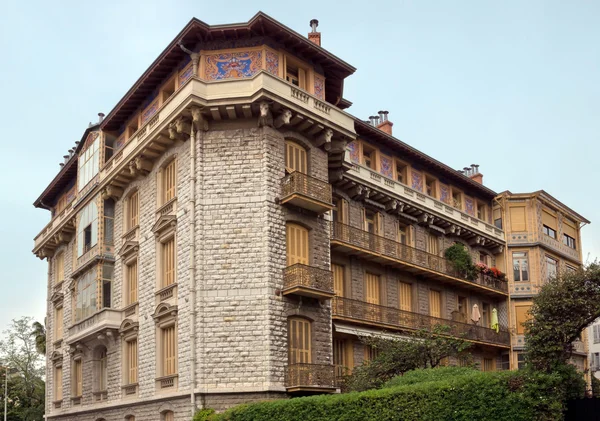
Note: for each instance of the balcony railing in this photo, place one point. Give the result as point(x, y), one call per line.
point(306, 192)
point(393, 318)
point(104, 319)
point(310, 377)
point(307, 281)
point(405, 256)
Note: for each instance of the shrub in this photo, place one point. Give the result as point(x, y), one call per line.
point(205, 414)
point(460, 258)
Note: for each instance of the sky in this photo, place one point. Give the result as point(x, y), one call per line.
point(513, 86)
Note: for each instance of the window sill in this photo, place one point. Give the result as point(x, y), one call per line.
point(130, 309)
point(166, 292)
point(76, 400)
point(131, 234)
point(167, 382)
point(57, 404)
point(168, 208)
point(100, 396)
point(130, 389)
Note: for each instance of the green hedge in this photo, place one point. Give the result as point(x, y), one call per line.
point(448, 393)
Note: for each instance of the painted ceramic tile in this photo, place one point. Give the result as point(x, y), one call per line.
point(387, 166)
point(233, 65)
point(71, 194)
point(469, 206)
point(417, 181)
point(445, 193)
point(272, 62)
point(120, 142)
point(353, 147)
point(150, 111)
point(185, 74)
point(319, 87)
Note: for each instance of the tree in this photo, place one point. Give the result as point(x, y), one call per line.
point(26, 387)
point(39, 333)
point(422, 349)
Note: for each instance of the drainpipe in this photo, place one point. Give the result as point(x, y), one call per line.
point(192, 267)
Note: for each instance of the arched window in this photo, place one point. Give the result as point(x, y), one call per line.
point(87, 229)
point(100, 373)
point(295, 158)
point(297, 244)
point(299, 341)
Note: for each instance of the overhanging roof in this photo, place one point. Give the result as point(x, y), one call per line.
point(548, 198)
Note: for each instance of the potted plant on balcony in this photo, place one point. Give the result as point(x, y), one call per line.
point(461, 260)
point(492, 272)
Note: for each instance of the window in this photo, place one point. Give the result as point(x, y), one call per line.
point(131, 361)
point(435, 303)
point(168, 89)
point(370, 353)
point(59, 266)
point(569, 241)
point(456, 199)
point(549, 231)
point(505, 362)
point(300, 341)
point(369, 157)
point(404, 234)
point(520, 360)
point(338, 279)
point(372, 290)
point(570, 269)
point(58, 323)
point(551, 267)
point(295, 158)
point(517, 219)
point(77, 377)
point(295, 74)
point(522, 315)
point(488, 364)
point(463, 308)
point(484, 258)
point(169, 350)
point(340, 212)
point(342, 357)
point(433, 244)
point(401, 172)
point(296, 244)
point(498, 218)
point(87, 228)
point(373, 221)
point(168, 182)
point(131, 276)
point(405, 296)
point(58, 380)
point(596, 332)
point(485, 315)
point(520, 266)
point(481, 211)
point(133, 210)
point(430, 186)
point(85, 295)
point(169, 416)
point(167, 252)
point(103, 374)
point(89, 162)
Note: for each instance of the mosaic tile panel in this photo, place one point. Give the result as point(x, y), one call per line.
point(233, 65)
point(185, 74)
point(272, 60)
point(319, 86)
point(445, 195)
point(149, 112)
point(120, 142)
point(417, 181)
point(387, 166)
point(469, 206)
point(353, 148)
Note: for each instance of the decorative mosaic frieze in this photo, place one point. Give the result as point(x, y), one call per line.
point(417, 180)
point(353, 148)
point(233, 65)
point(319, 86)
point(445, 195)
point(149, 112)
point(387, 166)
point(185, 74)
point(272, 60)
point(469, 206)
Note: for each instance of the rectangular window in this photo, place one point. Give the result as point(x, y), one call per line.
point(435, 303)
point(58, 324)
point(484, 258)
point(569, 241)
point(517, 219)
point(520, 267)
point(169, 176)
point(401, 172)
point(342, 357)
point(456, 199)
point(430, 186)
point(463, 308)
point(549, 220)
point(168, 262)
point(89, 162)
point(485, 315)
point(369, 157)
point(549, 231)
point(132, 361)
point(60, 268)
point(133, 209)
point(340, 212)
point(488, 364)
point(77, 378)
point(338, 279)
point(505, 362)
point(295, 158)
point(58, 380)
point(520, 361)
point(498, 218)
point(372, 288)
point(295, 74)
point(405, 296)
point(299, 341)
point(169, 350)
point(433, 244)
point(131, 273)
point(404, 234)
point(481, 211)
point(596, 330)
point(370, 353)
point(372, 222)
point(551, 268)
point(522, 315)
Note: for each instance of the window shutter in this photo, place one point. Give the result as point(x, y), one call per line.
point(297, 244)
point(372, 288)
point(299, 341)
point(405, 292)
point(517, 218)
point(169, 181)
point(168, 262)
point(169, 351)
point(569, 228)
point(379, 224)
point(132, 356)
point(549, 220)
point(295, 158)
point(522, 316)
point(338, 279)
point(301, 78)
point(435, 303)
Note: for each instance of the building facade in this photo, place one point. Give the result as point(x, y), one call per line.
point(594, 347)
point(228, 232)
point(543, 239)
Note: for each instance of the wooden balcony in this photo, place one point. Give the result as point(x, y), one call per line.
point(389, 318)
point(306, 192)
point(308, 281)
point(319, 378)
point(389, 252)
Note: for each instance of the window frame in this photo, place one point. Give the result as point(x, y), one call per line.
point(403, 171)
point(301, 354)
point(373, 156)
point(521, 259)
point(168, 179)
point(548, 231)
point(569, 241)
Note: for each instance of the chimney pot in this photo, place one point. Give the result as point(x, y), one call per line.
point(62, 164)
point(384, 124)
point(100, 117)
point(314, 36)
point(313, 24)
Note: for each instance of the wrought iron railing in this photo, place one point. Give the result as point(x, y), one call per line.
point(305, 185)
point(310, 376)
point(300, 275)
point(400, 319)
point(401, 252)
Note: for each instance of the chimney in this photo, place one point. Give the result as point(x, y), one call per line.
point(474, 174)
point(384, 124)
point(313, 35)
point(374, 121)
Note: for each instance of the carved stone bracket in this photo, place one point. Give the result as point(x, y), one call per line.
point(140, 166)
point(112, 192)
point(266, 117)
point(284, 118)
point(324, 139)
point(200, 122)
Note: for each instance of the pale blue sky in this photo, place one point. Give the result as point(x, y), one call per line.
point(513, 86)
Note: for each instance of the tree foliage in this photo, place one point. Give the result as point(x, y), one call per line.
point(461, 259)
point(39, 334)
point(421, 349)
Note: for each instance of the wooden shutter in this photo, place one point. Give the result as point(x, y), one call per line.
point(295, 158)
point(372, 288)
point(169, 416)
point(60, 268)
point(132, 361)
point(432, 244)
point(517, 219)
point(58, 320)
point(435, 303)
point(522, 316)
point(58, 379)
point(133, 210)
point(339, 357)
point(168, 262)
point(301, 78)
point(78, 377)
point(169, 350)
point(299, 341)
point(297, 244)
point(549, 220)
point(405, 296)
point(338, 279)
point(569, 228)
point(488, 364)
point(169, 181)
point(132, 282)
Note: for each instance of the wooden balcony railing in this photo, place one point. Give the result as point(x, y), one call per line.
point(393, 318)
point(310, 377)
point(306, 192)
point(307, 281)
point(405, 255)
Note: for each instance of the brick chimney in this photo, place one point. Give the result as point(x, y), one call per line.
point(473, 173)
point(313, 35)
point(384, 124)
